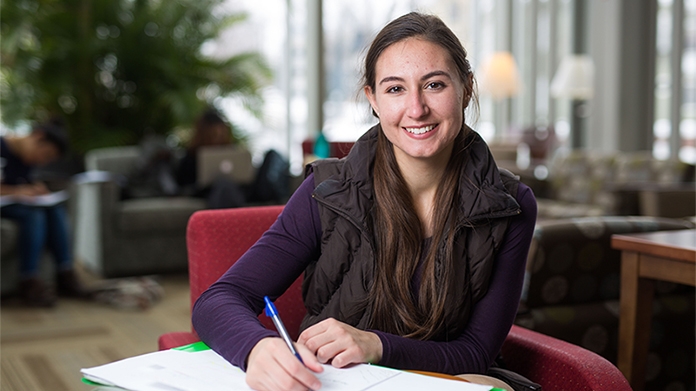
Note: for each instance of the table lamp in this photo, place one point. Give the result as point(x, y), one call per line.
point(499, 76)
point(500, 80)
point(574, 80)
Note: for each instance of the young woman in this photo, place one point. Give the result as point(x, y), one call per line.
point(413, 246)
point(39, 226)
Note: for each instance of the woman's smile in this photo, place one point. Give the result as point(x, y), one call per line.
point(420, 130)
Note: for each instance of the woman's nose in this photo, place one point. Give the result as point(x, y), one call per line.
point(417, 106)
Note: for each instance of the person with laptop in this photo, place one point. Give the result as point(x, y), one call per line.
point(214, 163)
point(413, 247)
point(210, 129)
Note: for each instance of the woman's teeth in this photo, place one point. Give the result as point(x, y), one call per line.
point(422, 130)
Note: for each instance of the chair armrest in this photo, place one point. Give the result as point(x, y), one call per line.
point(559, 365)
point(92, 207)
point(176, 339)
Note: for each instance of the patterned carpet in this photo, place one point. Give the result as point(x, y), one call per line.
point(44, 349)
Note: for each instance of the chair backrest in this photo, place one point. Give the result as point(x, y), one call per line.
point(579, 176)
point(216, 239)
point(117, 160)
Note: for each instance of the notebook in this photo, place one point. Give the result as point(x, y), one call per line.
point(233, 162)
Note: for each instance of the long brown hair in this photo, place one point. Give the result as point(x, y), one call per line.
point(398, 232)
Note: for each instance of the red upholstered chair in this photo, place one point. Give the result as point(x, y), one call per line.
point(559, 365)
point(217, 238)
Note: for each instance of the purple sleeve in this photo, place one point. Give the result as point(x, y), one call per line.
point(225, 315)
point(492, 316)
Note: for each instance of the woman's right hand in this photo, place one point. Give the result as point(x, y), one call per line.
point(271, 366)
point(30, 190)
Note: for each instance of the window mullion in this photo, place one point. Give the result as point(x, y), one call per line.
point(676, 71)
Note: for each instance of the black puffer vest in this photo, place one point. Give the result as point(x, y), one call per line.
point(338, 283)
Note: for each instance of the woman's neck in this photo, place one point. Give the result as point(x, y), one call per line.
point(423, 177)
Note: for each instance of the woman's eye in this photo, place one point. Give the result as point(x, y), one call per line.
point(393, 90)
point(434, 85)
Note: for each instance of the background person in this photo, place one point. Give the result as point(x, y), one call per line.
point(413, 248)
point(40, 226)
point(210, 129)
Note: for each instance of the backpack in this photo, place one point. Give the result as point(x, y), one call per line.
point(272, 181)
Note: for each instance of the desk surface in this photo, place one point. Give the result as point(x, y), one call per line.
point(678, 245)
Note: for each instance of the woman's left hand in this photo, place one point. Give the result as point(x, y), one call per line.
point(341, 344)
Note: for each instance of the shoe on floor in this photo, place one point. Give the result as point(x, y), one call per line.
point(69, 285)
point(36, 293)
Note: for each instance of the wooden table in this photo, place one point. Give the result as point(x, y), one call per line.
point(645, 258)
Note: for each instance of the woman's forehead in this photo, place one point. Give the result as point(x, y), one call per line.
point(413, 54)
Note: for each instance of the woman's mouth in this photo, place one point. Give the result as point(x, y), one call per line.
point(421, 130)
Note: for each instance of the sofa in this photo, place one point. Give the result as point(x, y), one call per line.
point(116, 237)
point(583, 183)
point(572, 288)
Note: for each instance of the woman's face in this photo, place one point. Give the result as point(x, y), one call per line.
point(419, 99)
point(38, 151)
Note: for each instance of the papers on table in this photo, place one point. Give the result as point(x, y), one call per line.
point(175, 370)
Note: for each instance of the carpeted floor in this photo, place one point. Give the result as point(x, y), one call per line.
point(44, 349)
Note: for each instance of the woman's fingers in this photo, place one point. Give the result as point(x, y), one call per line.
point(271, 366)
point(310, 360)
point(341, 344)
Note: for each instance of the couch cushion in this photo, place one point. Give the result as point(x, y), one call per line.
point(117, 160)
point(157, 214)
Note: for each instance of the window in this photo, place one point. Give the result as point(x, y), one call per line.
point(674, 129)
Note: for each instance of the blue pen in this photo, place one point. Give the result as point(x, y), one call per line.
point(272, 313)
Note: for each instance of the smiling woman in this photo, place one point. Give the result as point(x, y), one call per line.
point(421, 106)
point(413, 247)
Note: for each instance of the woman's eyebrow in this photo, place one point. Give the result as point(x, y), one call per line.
point(423, 78)
point(436, 73)
point(389, 79)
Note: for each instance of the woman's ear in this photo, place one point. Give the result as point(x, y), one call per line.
point(371, 98)
point(468, 90)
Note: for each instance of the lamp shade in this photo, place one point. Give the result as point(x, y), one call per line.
point(499, 76)
point(574, 78)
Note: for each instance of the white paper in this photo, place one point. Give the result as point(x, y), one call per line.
point(414, 381)
point(175, 370)
point(40, 200)
point(170, 370)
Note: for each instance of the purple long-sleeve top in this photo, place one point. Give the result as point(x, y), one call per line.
point(225, 315)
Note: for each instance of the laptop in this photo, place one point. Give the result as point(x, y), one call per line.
point(228, 161)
